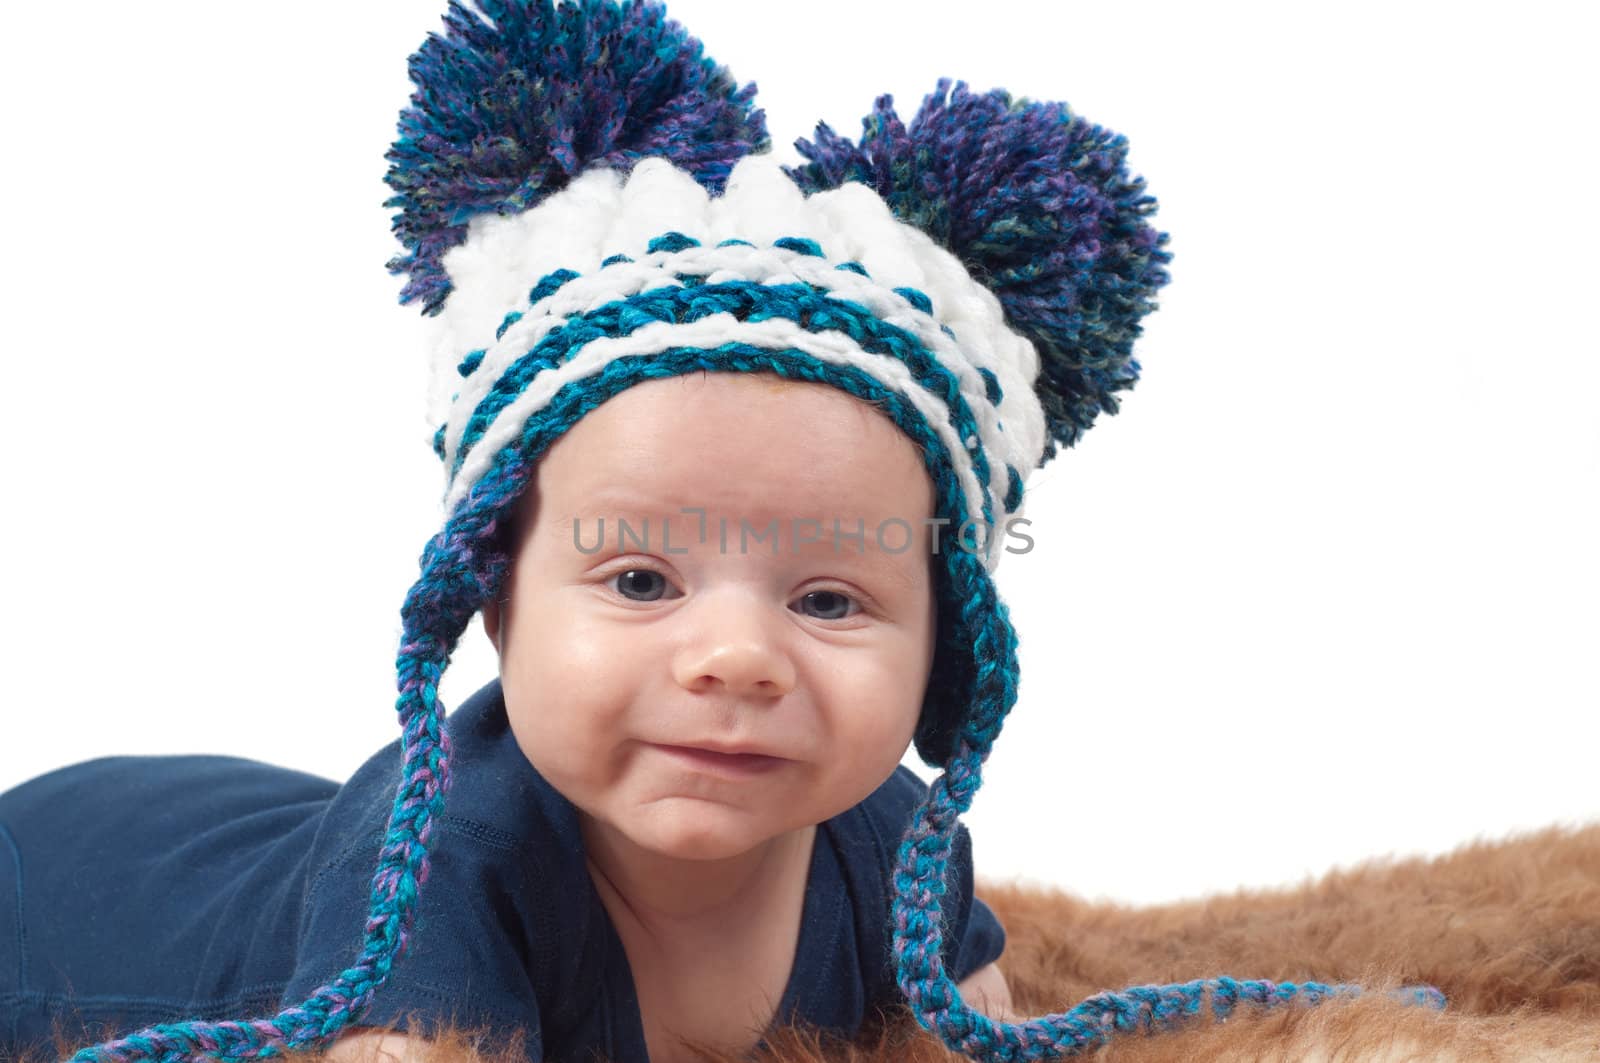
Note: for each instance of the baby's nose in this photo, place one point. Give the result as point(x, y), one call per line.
point(735, 645)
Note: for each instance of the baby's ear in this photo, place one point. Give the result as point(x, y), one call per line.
point(491, 622)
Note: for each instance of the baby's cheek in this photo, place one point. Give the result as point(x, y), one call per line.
point(565, 754)
point(888, 690)
point(573, 726)
point(872, 743)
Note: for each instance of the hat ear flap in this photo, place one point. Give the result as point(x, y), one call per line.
point(1037, 204)
point(511, 104)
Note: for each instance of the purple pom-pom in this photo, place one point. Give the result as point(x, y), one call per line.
point(509, 109)
point(1037, 204)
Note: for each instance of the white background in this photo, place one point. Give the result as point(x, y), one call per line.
point(1325, 589)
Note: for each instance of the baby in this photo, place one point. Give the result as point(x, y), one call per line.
point(732, 451)
point(705, 708)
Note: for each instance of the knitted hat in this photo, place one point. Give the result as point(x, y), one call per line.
point(586, 202)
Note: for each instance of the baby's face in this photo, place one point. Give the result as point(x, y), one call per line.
point(619, 663)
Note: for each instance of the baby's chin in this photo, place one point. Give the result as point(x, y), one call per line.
point(687, 828)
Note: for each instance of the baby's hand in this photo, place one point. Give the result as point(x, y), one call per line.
point(370, 1045)
point(985, 990)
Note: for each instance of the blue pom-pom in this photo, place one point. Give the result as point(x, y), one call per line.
point(512, 104)
point(1038, 205)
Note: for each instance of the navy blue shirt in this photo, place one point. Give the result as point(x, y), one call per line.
point(137, 890)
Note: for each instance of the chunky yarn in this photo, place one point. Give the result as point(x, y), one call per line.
point(1037, 203)
point(509, 110)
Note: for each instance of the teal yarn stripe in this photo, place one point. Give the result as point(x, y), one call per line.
point(807, 306)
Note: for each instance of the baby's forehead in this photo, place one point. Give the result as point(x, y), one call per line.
point(778, 499)
point(800, 532)
point(613, 520)
point(677, 473)
point(789, 487)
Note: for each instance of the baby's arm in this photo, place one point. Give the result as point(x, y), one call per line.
point(985, 990)
point(372, 1045)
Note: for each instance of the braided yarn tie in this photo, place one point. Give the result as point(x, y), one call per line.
point(1136, 1009)
point(936, 1000)
point(435, 612)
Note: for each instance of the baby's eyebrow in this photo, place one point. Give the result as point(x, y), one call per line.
point(863, 549)
point(868, 554)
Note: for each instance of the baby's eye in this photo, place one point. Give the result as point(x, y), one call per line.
point(648, 585)
point(829, 602)
point(641, 582)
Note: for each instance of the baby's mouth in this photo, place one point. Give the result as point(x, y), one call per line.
point(739, 765)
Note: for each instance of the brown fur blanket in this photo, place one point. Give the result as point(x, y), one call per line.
point(1509, 930)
